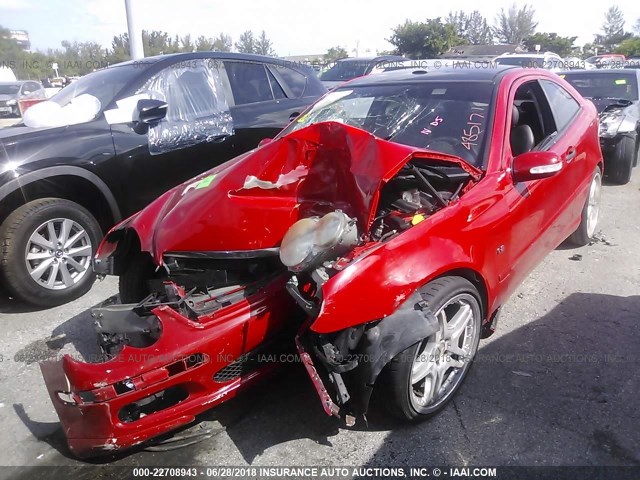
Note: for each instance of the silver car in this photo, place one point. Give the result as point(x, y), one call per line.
point(12, 92)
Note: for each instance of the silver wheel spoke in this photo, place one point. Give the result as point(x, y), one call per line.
point(66, 276)
point(421, 368)
point(37, 272)
point(456, 326)
point(53, 275)
point(76, 265)
point(51, 230)
point(72, 241)
point(454, 349)
point(38, 256)
point(41, 241)
point(65, 230)
point(84, 251)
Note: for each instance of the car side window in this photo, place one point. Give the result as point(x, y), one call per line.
point(563, 105)
point(296, 81)
point(249, 82)
point(197, 105)
point(276, 88)
point(532, 123)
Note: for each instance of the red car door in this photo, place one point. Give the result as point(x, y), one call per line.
point(535, 220)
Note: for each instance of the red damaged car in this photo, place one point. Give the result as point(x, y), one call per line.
point(382, 230)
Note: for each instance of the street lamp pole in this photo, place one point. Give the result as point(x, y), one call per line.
point(135, 35)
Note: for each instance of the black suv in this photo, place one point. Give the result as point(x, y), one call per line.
point(108, 144)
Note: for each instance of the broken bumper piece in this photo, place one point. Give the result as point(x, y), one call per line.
point(142, 393)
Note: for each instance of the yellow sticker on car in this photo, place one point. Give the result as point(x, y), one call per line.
point(622, 81)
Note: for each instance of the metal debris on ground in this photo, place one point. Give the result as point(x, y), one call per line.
point(576, 258)
point(521, 374)
point(602, 239)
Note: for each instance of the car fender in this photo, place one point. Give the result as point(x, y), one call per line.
point(63, 170)
point(410, 323)
point(394, 271)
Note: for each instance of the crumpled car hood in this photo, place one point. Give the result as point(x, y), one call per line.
point(250, 202)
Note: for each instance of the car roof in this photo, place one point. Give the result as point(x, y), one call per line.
point(413, 75)
point(247, 57)
point(17, 82)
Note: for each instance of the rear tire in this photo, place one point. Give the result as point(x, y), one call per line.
point(456, 304)
point(620, 166)
point(590, 213)
point(46, 250)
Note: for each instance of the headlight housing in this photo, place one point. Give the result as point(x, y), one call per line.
point(11, 102)
point(609, 125)
point(311, 241)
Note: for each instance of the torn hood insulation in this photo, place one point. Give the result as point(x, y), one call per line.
point(251, 201)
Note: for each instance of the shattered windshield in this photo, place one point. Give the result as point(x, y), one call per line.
point(449, 117)
point(605, 85)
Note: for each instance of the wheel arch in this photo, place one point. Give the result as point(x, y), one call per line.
point(70, 183)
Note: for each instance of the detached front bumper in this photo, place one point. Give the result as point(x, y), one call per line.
point(144, 392)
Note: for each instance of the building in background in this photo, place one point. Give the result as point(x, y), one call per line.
point(22, 39)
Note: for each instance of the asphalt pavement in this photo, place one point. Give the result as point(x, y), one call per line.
point(558, 384)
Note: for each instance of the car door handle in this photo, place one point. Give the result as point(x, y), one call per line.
point(293, 116)
point(570, 154)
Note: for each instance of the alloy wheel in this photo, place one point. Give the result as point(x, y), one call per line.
point(593, 207)
point(442, 359)
point(58, 254)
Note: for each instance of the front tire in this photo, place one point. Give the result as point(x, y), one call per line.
point(46, 250)
point(590, 213)
point(620, 166)
point(421, 380)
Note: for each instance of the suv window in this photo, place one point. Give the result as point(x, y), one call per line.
point(197, 106)
point(563, 105)
point(249, 82)
point(277, 90)
point(296, 81)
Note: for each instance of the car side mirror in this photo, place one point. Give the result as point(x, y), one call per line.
point(150, 111)
point(265, 141)
point(535, 165)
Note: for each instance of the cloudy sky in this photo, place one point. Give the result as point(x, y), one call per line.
point(296, 27)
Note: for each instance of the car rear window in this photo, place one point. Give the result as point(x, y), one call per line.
point(605, 85)
point(296, 81)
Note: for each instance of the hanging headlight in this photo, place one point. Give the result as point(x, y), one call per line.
point(311, 241)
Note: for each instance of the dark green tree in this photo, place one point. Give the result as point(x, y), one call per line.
point(334, 53)
point(629, 47)
point(472, 27)
point(550, 42)
point(246, 43)
point(222, 43)
point(428, 39)
point(264, 46)
point(514, 25)
point(613, 29)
